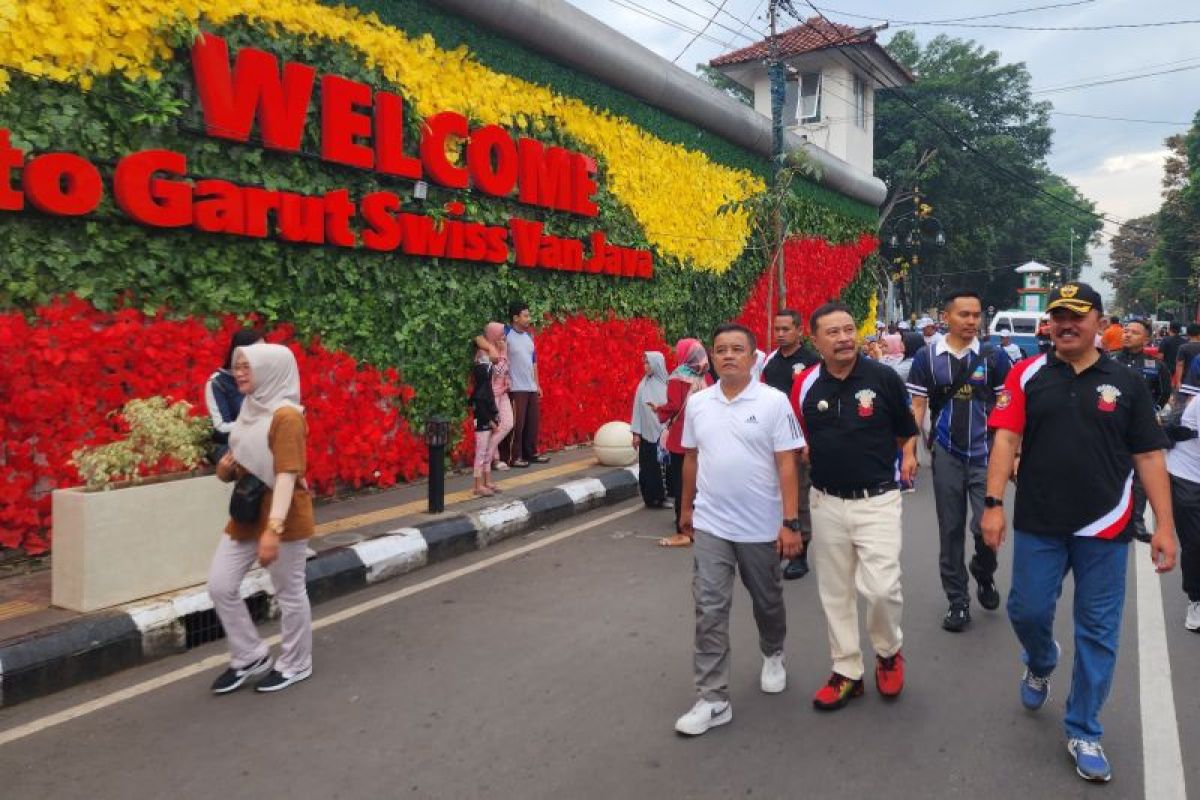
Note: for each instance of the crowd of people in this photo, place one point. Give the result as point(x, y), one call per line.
point(806, 453)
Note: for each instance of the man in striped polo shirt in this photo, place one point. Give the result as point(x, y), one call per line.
point(956, 380)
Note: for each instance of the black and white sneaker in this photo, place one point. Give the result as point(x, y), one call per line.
point(277, 681)
point(957, 619)
point(232, 679)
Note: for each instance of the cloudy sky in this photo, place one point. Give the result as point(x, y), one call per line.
point(1117, 164)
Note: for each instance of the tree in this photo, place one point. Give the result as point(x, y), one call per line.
point(1177, 250)
point(1138, 282)
point(726, 84)
point(994, 206)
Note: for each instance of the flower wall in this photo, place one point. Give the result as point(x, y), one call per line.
point(104, 79)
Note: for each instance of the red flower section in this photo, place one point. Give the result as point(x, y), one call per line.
point(589, 370)
point(65, 371)
point(816, 272)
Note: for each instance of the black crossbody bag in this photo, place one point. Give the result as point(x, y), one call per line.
point(245, 504)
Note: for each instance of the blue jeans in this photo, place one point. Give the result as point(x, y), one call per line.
point(1039, 565)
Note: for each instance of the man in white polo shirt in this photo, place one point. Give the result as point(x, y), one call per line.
point(740, 504)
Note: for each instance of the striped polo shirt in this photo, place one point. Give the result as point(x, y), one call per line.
point(961, 425)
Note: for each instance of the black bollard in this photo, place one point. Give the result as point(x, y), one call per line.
point(437, 434)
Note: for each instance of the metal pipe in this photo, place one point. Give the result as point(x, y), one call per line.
point(565, 34)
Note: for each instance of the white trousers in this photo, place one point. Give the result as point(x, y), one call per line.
point(856, 547)
point(230, 564)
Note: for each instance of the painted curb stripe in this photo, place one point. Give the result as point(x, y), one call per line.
point(99, 644)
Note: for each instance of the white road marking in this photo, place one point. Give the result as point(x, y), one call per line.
point(1162, 759)
point(212, 662)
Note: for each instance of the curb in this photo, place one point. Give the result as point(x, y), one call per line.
point(104, 642)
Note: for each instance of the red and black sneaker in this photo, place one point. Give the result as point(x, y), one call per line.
point(889, 674)
point(837, 692)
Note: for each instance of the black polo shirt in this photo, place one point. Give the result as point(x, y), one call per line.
point(781, 371)
point(1080, 433)
point(852, 425)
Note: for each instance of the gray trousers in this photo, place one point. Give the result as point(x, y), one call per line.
point(955, 485)
point(230, 564)
point(714, 564)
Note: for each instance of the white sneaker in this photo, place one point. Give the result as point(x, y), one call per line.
point(1192, 623)
point(774, 677)
point(704, 715)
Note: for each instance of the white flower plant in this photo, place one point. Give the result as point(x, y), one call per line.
point(158, 429)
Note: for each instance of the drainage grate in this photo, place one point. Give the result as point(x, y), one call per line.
point(203, 627)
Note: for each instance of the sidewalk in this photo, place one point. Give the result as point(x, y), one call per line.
point(359, 541)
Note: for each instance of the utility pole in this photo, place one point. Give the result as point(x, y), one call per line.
point(1071, 258)
point(778, 78)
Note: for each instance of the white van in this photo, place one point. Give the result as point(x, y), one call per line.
point(1024, 327)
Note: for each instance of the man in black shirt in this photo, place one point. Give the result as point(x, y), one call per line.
point(1187, 351)
point(1084, 425)
point(855, 413)
point(1170, 346)
point(1158, 382)
point(781, 368)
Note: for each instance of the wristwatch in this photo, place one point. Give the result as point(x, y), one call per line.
point(792, 524)
point(993, 502)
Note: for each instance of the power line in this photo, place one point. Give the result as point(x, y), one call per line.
point(958, 19)
point(668, 21)
point(699, 33)
point(712, 21)
point(1121, 119)
point(1114, 80)
point(904, 97)
point(743, 23)
point(1131, 70)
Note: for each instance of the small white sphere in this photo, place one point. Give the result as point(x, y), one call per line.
point(613, 444)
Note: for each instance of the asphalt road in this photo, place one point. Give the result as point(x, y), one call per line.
point(558, 672)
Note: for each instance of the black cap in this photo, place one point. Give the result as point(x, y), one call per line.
point(1077, 297)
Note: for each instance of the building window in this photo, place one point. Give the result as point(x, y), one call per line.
point(860, 102)
point(810, 97)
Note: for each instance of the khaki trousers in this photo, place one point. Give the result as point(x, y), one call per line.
point(230, 564)
point(856, 547)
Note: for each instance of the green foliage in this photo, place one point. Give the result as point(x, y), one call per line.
point(158, 431)
point(389, 309)
point(993, 221)
point(1176, 256)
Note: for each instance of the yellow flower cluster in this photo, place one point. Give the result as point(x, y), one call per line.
point(673, 192)
point(868, 324)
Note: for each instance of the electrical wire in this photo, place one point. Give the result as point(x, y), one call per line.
point(904, 97)
point(960, 19)
point(699, 33)
point(1121, 119)
point(636, 8)
point(1115, 80)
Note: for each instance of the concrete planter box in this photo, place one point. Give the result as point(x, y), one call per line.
point(115, 546)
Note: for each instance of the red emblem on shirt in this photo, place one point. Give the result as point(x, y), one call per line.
point(866, 402)
point(1004, 399)
point(1108, 397)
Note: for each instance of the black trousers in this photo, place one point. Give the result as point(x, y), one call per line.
point(675, 479)
point(650, 474)
point(1185, 503)
point(521, 442)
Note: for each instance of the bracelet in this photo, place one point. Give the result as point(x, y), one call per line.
point(275, 526)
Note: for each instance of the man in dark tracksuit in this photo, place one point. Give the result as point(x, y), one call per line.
point(1158, 381)
point(780, 368)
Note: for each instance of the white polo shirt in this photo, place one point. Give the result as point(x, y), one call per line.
point(1183, 460)
point(737, 482)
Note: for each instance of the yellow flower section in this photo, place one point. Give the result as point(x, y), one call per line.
point(673, 192)
point(868, 324)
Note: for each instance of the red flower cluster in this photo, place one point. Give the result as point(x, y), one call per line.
point(588, 370)
point(65, 371)
point(816, 272)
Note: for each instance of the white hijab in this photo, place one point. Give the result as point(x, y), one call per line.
point(275, 385)
point(652, 389)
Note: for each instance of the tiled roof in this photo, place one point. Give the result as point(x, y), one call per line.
point(815, 34)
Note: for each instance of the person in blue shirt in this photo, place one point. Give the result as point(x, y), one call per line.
point(955, 380)
point(221, 395)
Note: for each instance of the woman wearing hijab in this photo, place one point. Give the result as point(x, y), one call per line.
point(493, 332)
point(646, 428)
point(686, 380)
point(267, 443)
point(221, 395)
point(487, 423)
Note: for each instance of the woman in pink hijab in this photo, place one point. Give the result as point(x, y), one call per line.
point(686, 380)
